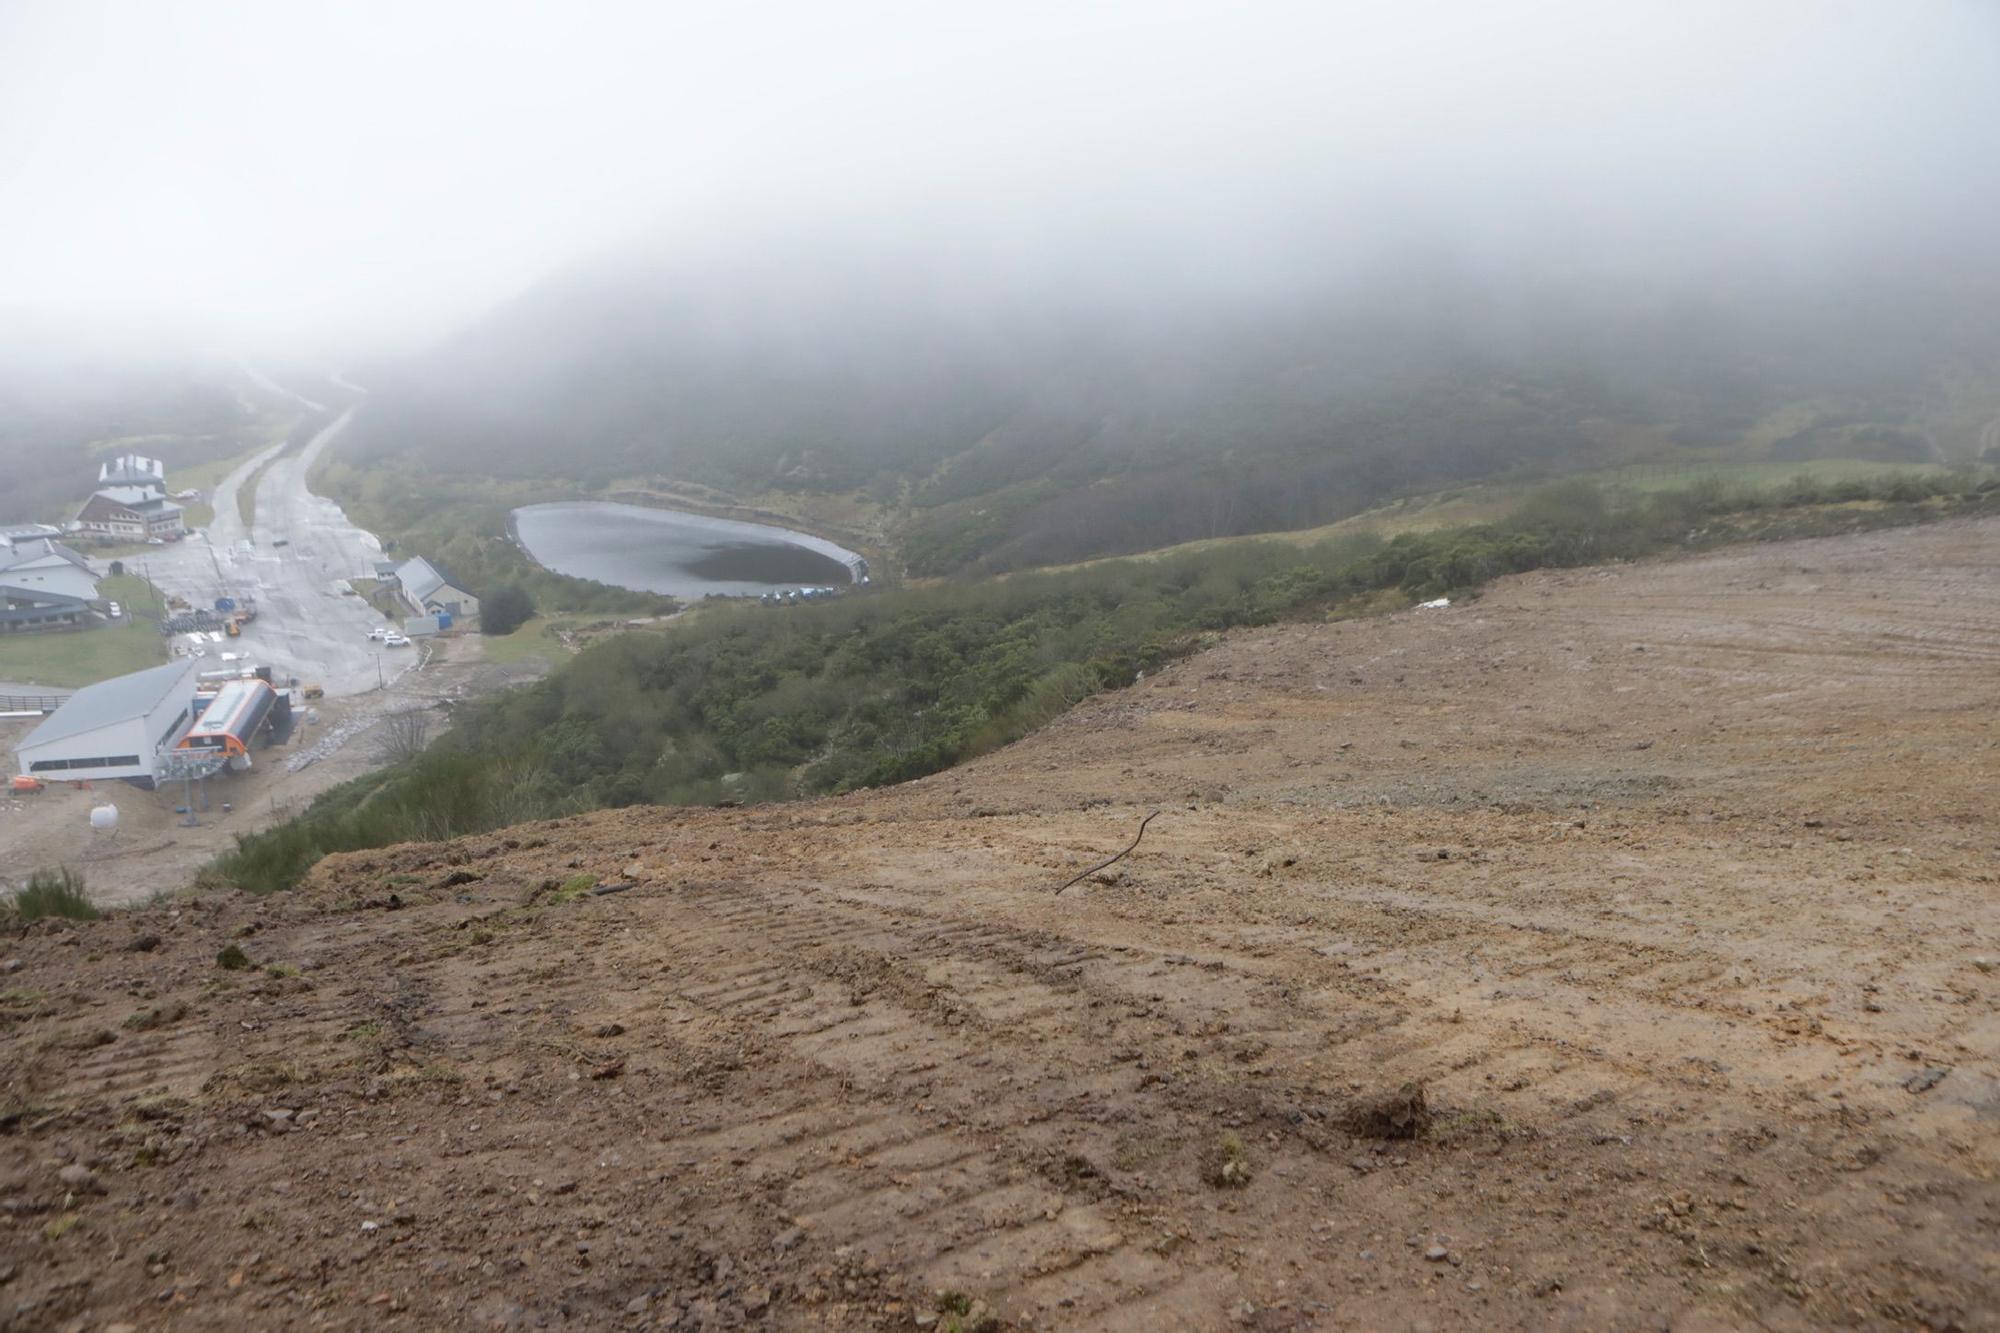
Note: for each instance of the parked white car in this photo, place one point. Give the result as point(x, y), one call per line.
point(396, 641)
point(380, 632)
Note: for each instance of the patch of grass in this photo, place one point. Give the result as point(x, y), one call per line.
point(536, 638)
point(284, 970)
point(206, 476)
point(57, 892)
point(61, 1227)
point(232, 959)
point(1229, 1166)
point(573, 887)
point(961, 1313)
point(85, 656)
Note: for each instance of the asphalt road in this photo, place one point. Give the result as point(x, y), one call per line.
point(306, 627)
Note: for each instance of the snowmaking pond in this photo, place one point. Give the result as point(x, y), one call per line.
point(680, 554)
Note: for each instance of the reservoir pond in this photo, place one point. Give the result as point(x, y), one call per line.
point(680, 554)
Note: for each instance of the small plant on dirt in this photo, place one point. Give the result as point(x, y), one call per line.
point(53, 893)
point(1230, 1166)
point(284, 970)
point(148, 1019)
point(574, 887)
point(960, 1313)
point(232, 959)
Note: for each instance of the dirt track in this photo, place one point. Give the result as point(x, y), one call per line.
point(1674, 887)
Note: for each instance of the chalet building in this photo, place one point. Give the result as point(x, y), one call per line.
point(43, 565)
point(131, 513)
point(427, 590)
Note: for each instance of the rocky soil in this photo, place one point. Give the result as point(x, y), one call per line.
point(1619, 950)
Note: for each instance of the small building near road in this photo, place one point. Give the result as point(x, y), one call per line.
point(131, 513)
point(427, 590)
point(24, 610)
point(42, 564)
point(114, 729)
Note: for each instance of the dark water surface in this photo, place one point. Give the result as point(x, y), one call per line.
point(683, 555)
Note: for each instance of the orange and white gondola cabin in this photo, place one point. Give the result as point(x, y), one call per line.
point(232, 718)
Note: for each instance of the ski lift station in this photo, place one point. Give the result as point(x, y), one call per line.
point(157, 725)
point(114, 729)
point(232, 720)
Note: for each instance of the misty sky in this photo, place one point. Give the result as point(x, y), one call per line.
point(360, 177)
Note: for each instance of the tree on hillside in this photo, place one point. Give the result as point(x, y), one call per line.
point(505, 609)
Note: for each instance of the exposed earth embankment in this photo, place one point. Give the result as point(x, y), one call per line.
point(1619, 948)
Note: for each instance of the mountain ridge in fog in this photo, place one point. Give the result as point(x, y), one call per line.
point(1120, 400)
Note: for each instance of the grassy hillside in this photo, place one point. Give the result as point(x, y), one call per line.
point(757, 703)
point(1492, 502)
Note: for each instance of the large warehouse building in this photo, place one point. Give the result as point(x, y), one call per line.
point(114, 729)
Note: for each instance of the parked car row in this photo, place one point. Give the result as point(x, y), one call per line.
point(388, 638)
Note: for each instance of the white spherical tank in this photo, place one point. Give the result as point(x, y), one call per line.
point(104, 818)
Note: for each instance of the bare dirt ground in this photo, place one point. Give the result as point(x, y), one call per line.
point(155, 849)
point(1673, 888)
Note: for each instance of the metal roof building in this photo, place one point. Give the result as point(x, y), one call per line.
point(428, 589)
point(114, 729)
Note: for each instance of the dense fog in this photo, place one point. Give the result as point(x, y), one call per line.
point(368, 178)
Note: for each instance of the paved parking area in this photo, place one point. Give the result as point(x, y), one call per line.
point(306, 627)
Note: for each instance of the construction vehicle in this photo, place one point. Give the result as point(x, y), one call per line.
point(27, 786)
point(314, 692)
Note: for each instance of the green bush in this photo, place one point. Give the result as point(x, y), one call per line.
point(53, 893)
point(505, 609)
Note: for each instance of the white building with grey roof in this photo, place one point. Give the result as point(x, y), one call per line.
point(428, 589)
point(114, 729)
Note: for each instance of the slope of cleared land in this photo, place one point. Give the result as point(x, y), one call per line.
point(1672, 887)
